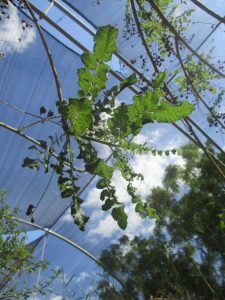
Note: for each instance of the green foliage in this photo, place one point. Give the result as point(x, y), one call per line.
point(85, 125)
point(16, 257)
point(159, 80)
point(120, 216)
point(184, 258)
point(200, 75)
point(147, 108)
point(105, 43)
point(80, 115)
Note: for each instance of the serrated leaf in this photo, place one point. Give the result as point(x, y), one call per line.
point(146, 108)
point(150, 107)
point(67, 193)
point(139, 207)
point(119, 124)
point(168, 113)
point(85, 79)
point(80, 115)
point(159, 80)
point(100, 76)
point(89, 60)
point(105, 42)
point(120, 216)
point(150, 24)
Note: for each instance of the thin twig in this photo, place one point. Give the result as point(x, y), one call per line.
point(34, 141)
point(193, 87)
point(54, 71)
point(44, 192)
point(25, 112)
point(182, 40)
point(196, 49)
point(39, 121)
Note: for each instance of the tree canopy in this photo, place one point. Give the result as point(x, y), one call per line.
point(185, 256)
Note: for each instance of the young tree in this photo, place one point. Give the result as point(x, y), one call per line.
point(185, 257)
point(16, 257)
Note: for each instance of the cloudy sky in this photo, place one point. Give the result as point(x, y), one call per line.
point(13, 38)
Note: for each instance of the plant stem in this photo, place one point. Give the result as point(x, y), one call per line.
point(54, 71)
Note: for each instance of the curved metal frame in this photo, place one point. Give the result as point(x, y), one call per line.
point(79, 248)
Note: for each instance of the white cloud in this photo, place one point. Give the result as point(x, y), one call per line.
point(67, 217)
point(56, 298)
point(153, 169)
point(102, 225)
point(106, 226)
point(149, 136)
point(82, 276)
point(13, 38)
point(93, 198)
point(103, 150)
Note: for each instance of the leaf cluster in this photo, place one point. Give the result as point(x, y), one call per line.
point(86, 125)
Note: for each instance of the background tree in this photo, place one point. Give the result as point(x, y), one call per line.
point(184, 258)
point(16, 257)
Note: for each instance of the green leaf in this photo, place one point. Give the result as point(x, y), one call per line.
point(101, 184)
point(150, 107)
point(108, 204)
point(168, 113)
point(179, 152)
point(105, 43)
point(159, 80)
point(80, 115)
point(85, 79)
point(104, 194)
point(152, 213)
point(99, 167)
point(102, 169)
point(120, 216)
point(89, 60)
point(139, 207)
point(151, 24)
point(30, 163)
point(130, 118)
point(67, 193)
point(100, 76)
point(128, 81)
point(119, 124)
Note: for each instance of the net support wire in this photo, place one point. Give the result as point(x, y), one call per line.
point(46, 11)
